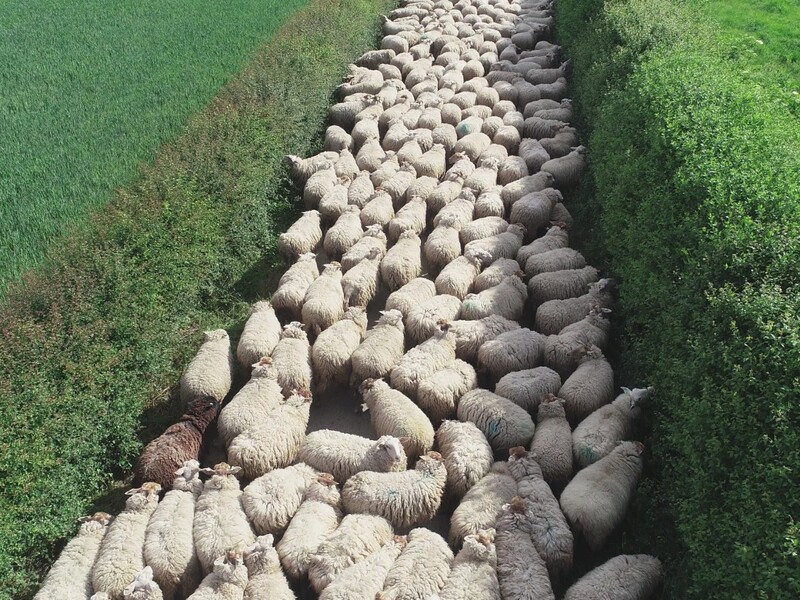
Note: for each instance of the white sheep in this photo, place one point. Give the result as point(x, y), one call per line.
point(422, 361)
point(337, 139)
point(70, 577)
point(210, 372)
point(356, 538)
point(460, 210)
point(432, 163)
point(324, 300)
point(344, 113)
point(143, 587)
point(483, 503)
point(528, 387)
point(533, 153)
point(560, 285)
point(495, 273)
point(270, 501)
point(443, 246)
point(490, 203)
point(527, 185)
point(364, 579)
point(555, 237)
point(361, 190)
point(303, 236)
point(471, 335)
point(253, 403)
point(503, 423)
point(291, 359)
point(344, 454)
point(417, 290)
point(554, 315)
point(227, 581)
point(413, 496)
point(370, 156)
point(303, 168)
point(595, 327)
point(266, 580)
point(506, 299)
point(599, 433)
point(331, 352)
point(421, 569)
point(169, 543)
point(373, 238)
point(467, 455)
point(533, 210)
point(121, 553)
point(552, 442)
point(317, 517)
point(403, 261)
point(439, 393)
point(424, 318)
point(422, 187)
point(293, 284)
point(561, 214)
point(567, 170)
point(457, 277)
point(626, 577)
point(397, 185)
point(332, 205)
point(597, 498)
point(560, 259)
point(410, 217)
point(360, 284)
point(474, 571)
point(589, 387)
point(319, 184)
point(485, 176)
point(514, 350)
point(561, 143)
point(472, 145)
point(260, 335)
point(381, 350)
point(461, 167)
point(482, 228)
point(503, 245)
point(445, 134)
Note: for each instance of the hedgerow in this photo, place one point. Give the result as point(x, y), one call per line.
point(695, 172)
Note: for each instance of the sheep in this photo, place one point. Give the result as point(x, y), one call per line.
point(439, 393)
point(561, 112)
point(70, 577)
point(303, 168)
point(432, 163)
point(482, 228)
point(596, 499)
point(489, 203)
point(457, 277)
point(461, 167)
point(331, 352)
point(506, 299)
point(599, 433)
point(424, 360)
point(227, 581)
point(363, 580)
point(594, 328)
point(443, 246)
point(555, 91)
point(168, 543)
point(293, 284)
point(554, 315)
point(474, 571)
point(291, 359)
point(626, 577)
point(361, 190)
point(121, 554)
point(260, 335)
point(303, 236)
point(337, 139)
point(333, 204)
point(381, 350)
point(483, 503)
point(467, 455)
point(318, 185)
point(496, 273)
point(180, 442)
point(589, 387)
point(472, 145)
point(560, 259)
point(422, 187)
point(360, 284)
point(560, 284)
point(509, 137)
point(324, 300)
point(253, 403)
point(533, 210)
point(399, 183)
point(527, 388)
point(372, 58)
point(403, 261)
point(370, 156)
point(521, 572)
point(415, 291)
point(533, 153)
point(424, 318)
point(210, 372)
point(220, 523)
point(527, 185)
point(143, 587)
point(356, 538)
point(502, 245)
point(567, 170)
point(502, 422)
point(373, 238)
point(343, 454)
point(344, 234)
point(421, 569)
point(471, 335)
point(485, 176)
point(265, 577)
point(561, 214)
point(552, 442)
point(561, 143)
point(410, 217)
point(270, 501)
point(445, 134)
point(511, 351)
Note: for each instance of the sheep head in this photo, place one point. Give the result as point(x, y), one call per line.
point(326, 479)
point(216, 334)
point(392, 446)
point(142, 582)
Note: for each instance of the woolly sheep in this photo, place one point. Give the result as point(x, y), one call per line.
point(432, 163)
point(502, 245)
point(424, 318)
point(482, 504)
point(554, 315)
point(360, 284)
point(472, 145)
point(261, 334)
point(403, 261)
point(415, 291)
point(343, 454)
point(337, 139)
point(424, 360)
point(344, 113)
point(303, 236)
point(485, 176)
point(210, 372)
point(445, 134)
point(482, 228)
point(442, 246)
point(502, 422)
point(533, 210)
point(291, 359)
point(599, 433)
point(373, 238)
point(421, 569)
point(381, 350)
point(489, 203)
point(439, 393)
point(467, 455)
point(560, 259)
point(527, 185)
point(331, 352)
point(560, 284)
point(563, 352)
point(143, 587)
point(567, 170)
point(594, 328)
point(320, 183)
point(496, 273)
point(370, 156)
point(361, 190)
point(457, 277)
point(252, 404)
point(399, 183)
point(589, 387)
point(266, 580)
point(506, 299)
point(561, 214)
point(555, 237)
point(363, 580)
point(422, 187)
point(527, 388)
point(220, 523)
point(457, 213)
point(471, 335)
point(555, 91)
point(514, 350)
point(293, 284)
point(121, 554)
point(227, 581)
point(461, 167)
point(596, 499)
point(474, 571)
point(533, 153)
point(552, 442)
point(410, 217)
point(303, 168)
point(561, 143)
point(625, 577)
point(70, 577)
point(334, 203)
point(270, 501)
point(356, 538)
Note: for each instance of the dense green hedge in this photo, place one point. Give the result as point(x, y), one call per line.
point(695, 173)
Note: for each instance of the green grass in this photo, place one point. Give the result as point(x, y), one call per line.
point(91, 89)
point(93, 344)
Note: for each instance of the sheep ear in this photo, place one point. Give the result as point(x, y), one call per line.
point(626, 390)
point(235, 470)
point(133, 491)
point(207, 471)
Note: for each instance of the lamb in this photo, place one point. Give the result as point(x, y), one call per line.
point(514, 350)
point(460, 210)
point(210, 372)
point(599, 433)
point(121, 554)
point(467, 455)
point(503, 245)
point(373, 238)
point(567, 170)
point(333, 203)
point(252, 404)
point(317, 517)
point(180, 442)
point(439, 393)
point(482, 228)
point(266, 580)
point(227, 581)
point(421, 569)
point(343, 454)
point(168, 543)
point(507, 299)
point(70, 577)
point(474, 571)
point(403, 261)
point(533, 210)
point(482, 504)
point(360, 284)
point(432, 163)
point(472, 145)
point(560, 284)
point(503, 423)
point(554, 315)
point(552, 442)
point(291, 359)
point(260, 335)
point(457, 277)
point(270, 501)
point(303, 168)
point(331, 352)
point(292, 287)
point(424, 318)
point(415, 495)
point(443, 246)
point(596, 499)
point(363, 580)
point(554, 260)
point(533, 153)
point(527, 185)
point(527, 388)
point(337, 139)
point(626, 577)
point(381, 350)
point(303, 236)
point(471, 335)
point(393, 413)
point(143, 587)
point(424, 360)
point(589, 387)
point(410, 217)
point(356, 538)
point(320, 183)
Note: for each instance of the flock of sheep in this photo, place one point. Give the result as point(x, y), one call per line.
point(440, 181)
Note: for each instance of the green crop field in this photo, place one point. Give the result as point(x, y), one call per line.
point(91, 89)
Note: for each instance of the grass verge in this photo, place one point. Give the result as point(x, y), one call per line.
point(93, 343)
